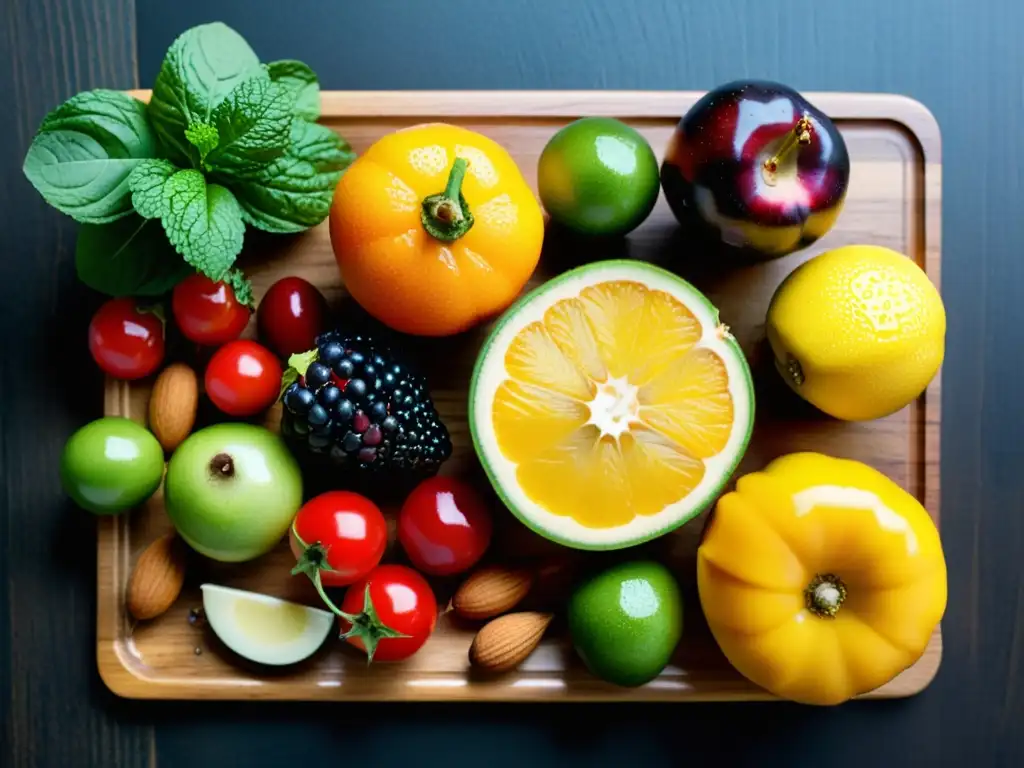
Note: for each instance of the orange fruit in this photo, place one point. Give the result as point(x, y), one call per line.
point(435, 229)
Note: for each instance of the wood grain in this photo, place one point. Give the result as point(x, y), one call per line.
point(894, 200)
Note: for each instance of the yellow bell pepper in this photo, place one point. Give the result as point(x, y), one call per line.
point(820, 578)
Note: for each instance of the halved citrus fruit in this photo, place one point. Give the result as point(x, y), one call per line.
point(610, 405)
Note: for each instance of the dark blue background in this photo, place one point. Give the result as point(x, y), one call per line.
point(962, 58)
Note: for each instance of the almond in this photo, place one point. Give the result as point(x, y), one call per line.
point(172, 405)
point(504, 643)
point(491, 591)
point(157, 579)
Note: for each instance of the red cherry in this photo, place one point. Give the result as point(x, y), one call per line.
point(207, 312)
point(291, 315)
point(444, 526)
point(243, 378)
point(124, 342)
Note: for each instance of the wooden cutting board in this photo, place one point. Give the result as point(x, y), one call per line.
point(894, 200)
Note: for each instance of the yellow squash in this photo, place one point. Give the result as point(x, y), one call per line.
point(820, 578)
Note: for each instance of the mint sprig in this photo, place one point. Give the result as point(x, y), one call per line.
point(223, 142)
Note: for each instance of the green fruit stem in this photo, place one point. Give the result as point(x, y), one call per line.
point(365, 625)
point(825, 595)
point(446, 215)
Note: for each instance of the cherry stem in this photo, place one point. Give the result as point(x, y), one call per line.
point(799, 136)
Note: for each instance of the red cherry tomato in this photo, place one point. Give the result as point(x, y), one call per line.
point(444, 526)
point(124, 342)
point(402, 601)
point(208, 312)
point(243, 378)
point(343, 529)
point(291, 315)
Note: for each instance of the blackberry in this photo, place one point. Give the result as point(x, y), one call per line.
point(358, 407)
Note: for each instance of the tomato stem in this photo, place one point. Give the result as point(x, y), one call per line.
point(824, 595)
point(368, 627)
point(365, 625)
point(446, 215)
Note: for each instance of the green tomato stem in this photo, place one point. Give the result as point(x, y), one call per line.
point(446, 215)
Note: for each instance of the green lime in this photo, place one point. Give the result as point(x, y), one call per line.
point(626, 621)
point(598, 176)
point(110, 465)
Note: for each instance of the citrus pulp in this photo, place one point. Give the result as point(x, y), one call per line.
point(610, 405)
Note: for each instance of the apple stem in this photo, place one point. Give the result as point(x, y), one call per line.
point(799, 136)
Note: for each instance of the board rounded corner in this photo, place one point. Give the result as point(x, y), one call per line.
point(117, 673)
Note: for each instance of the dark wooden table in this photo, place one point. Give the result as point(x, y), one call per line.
point(962, 58)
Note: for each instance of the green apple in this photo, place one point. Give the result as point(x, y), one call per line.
point(232, 491)
point(110, 465)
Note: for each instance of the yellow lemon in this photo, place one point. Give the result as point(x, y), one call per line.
point(858, 331)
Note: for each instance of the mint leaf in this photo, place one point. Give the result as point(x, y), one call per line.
point(128, 257)
point(254, 123)
point(147, 185)
point(241, 287)
point(204, 137)
point(302, 81)
point(200, 69)
point(204, 223)
point(85, 150)
point(294, 193)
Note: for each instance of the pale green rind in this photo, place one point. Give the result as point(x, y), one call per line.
point(699, 505)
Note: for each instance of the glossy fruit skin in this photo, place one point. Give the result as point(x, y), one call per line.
point(714, 176)
point(232, 510)
point(110, 465)
point(444, 526)
point(351, 529)
point(402, 275)
point(598, 176)
point(625, 622)
point(767, 544)
point(403, 601)
point(243, 378)
point(858, 331)
point(291, 314)
point(207, 312)
point(124, 342)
